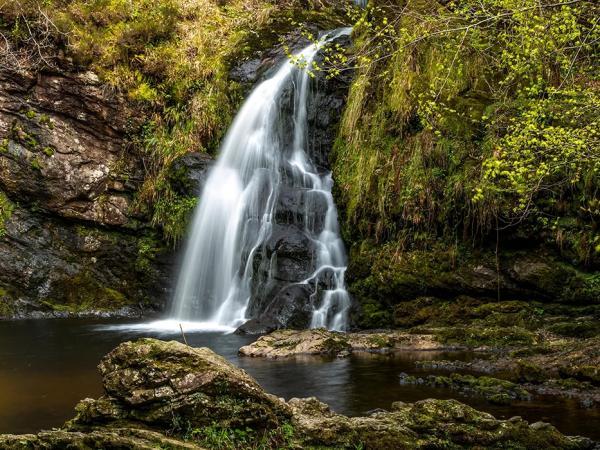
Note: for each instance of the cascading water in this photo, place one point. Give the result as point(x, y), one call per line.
point(237, 208)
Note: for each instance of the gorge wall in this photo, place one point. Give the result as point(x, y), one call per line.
point(101, 156)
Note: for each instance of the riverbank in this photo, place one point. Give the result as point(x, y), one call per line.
point(175, 396)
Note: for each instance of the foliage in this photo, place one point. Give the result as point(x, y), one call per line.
point(470, 117)
point(218, 438)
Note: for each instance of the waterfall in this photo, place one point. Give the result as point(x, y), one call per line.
point(262, 152)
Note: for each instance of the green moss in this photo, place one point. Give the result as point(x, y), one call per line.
point(48, 151)
point(35, 163)
point(494, 390)
point(335, 345)
point(6, 211)
point(7, 308)
point(30, 114)
point(148, 248)
point(579, 329)
point(83, 293)
point(529, 372)
point(475, 336)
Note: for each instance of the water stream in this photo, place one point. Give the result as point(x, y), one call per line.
point(264, 153)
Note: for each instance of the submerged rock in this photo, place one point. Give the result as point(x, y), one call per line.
point(168, 395)
point(284, 343)
point(500, 392)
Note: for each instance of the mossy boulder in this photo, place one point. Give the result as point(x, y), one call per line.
point(497, 391)
point(151, 382)
point(117, 438)
point(425, 424)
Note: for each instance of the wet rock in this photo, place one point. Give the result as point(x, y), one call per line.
point(496, 391)
point(257, 326)
point(424, 424)
point(54, 268)
point(188, 173)
point(74, 243)
point(285, 343)
point(301, 207)
point(149, 382)
point(290, 255)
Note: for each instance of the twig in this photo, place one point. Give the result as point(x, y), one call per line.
point(183, 335)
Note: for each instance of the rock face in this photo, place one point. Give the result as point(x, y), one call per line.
point(63, 145)
point(153, 388)
point(53, 267)
point(71, 242)
point(285, 343)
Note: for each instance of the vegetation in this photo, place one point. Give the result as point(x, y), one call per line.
point(171, 58)
point(6, 210)
point(494, 390)
point(218, 438)
point(470, 120)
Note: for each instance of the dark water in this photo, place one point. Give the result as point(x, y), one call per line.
point(46, 366)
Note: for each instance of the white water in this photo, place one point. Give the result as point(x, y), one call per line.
point(236, 210)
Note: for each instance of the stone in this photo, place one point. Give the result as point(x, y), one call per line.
point(286, 343)
point(148, 382)
point(114, 438)
point(65, 137)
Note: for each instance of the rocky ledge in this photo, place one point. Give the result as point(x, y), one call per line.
point(285, 343)
point(168, 395)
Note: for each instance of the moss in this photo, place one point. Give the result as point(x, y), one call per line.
point(487, 336)
point(373, 315)
point(7, 308)
point(494, 390)
point(148, 248)
point(48, 151)
point(529, 372)
point(6, 211)
point(35, 163)
point(418, 136)
point(335, 345)
point(83, 293)
point(579, 329)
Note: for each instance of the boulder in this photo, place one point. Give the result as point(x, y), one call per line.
point(151, 382)
point(114, 438)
